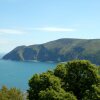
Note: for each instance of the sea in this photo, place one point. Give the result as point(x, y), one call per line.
point(17, 74)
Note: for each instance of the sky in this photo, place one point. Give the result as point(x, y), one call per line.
point(28, 22)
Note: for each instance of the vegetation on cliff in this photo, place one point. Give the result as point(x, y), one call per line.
point(59, 51)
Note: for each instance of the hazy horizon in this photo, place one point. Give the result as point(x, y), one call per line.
point(35, 22)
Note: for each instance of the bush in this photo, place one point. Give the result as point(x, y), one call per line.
point(10, 94)
point(51, 94)
point(78, 79)
point(42, 82)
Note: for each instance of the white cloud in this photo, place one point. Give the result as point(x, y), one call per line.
point(54, 29)
point(11, 31)
point(30, 30)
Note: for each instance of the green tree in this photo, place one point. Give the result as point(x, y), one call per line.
point(10, 94)
point(42, 82)
point(79, 77)
point(47, 86)
point(93, 93)
point(60, 71)
point(51, 94)
point(99, 70)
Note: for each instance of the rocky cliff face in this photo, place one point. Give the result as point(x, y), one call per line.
point(58, 50)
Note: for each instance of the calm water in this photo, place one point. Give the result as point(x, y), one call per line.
point(17, 74)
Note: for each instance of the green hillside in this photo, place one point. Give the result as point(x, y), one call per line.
point(59, 51)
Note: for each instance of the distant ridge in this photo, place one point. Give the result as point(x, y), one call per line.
point(1, 55)
point(58, 51)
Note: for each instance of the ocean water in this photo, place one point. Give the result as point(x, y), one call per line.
point(17, 74)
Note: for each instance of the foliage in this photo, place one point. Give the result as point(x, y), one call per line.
point(78, 79)
point(60, 71)
point(10, 94)
point(42, 82)
point(80, 76)
point(99, 70)
point(51, 94)
point(46, 86)
point(93, 93)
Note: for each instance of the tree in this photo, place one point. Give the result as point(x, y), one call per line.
point(99, 70)
point(41, 82)
point(46, 86)
point(93, 93)
point(10, 94)
point(51, 94)
point(79, 77)
point(60, 71)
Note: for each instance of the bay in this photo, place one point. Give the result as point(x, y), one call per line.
point(17, 74)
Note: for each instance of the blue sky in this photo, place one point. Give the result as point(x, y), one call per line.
point(26, 22)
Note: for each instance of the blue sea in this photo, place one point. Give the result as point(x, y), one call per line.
point(17, 74)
